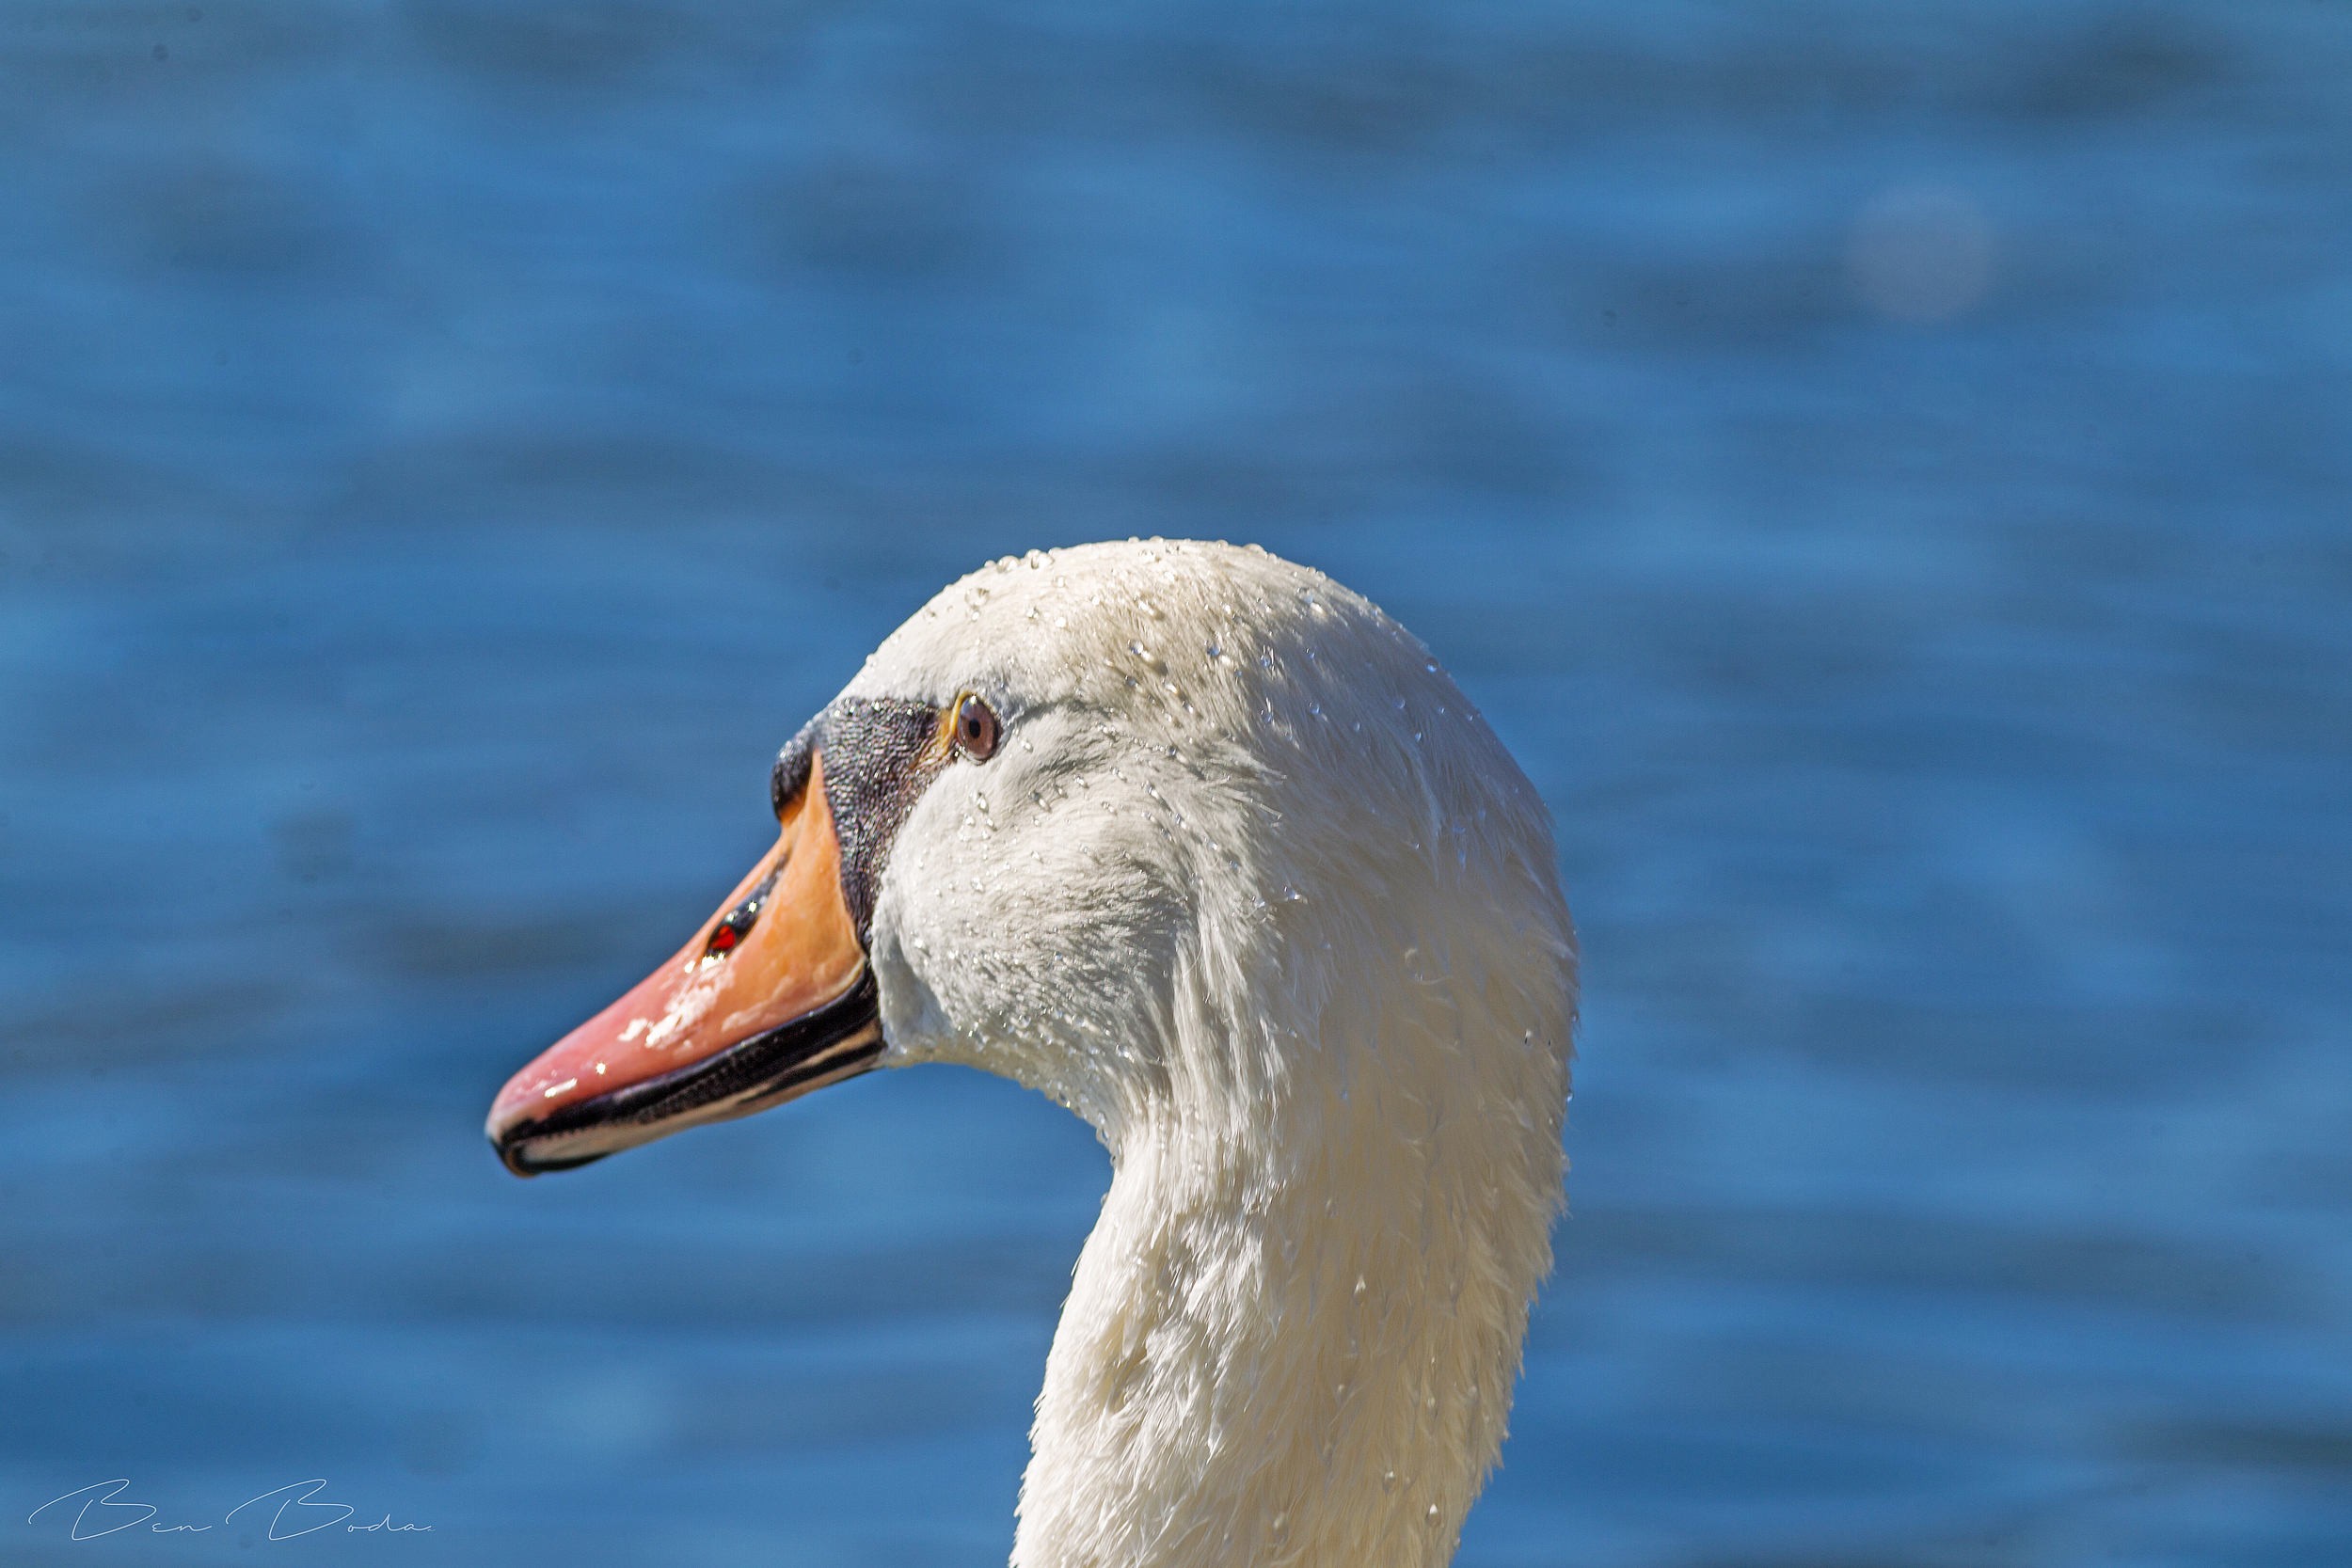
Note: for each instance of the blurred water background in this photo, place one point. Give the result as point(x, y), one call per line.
point(1884, 467)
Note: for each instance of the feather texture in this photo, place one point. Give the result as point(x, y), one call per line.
point(1251, 886)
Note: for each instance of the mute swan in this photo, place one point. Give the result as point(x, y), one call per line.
point(1207, 848)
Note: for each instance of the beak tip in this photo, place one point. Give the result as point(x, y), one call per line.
point(508, 1149)
point(511, 1139)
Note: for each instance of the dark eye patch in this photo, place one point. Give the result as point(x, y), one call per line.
point(790, 775)
point(880, 754)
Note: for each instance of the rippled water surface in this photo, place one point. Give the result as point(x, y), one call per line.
point(1884, 467)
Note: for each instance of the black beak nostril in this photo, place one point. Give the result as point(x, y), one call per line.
point(737, 923)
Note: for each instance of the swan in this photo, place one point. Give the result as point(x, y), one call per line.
point(1209, 849)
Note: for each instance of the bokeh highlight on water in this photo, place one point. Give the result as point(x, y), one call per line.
point(1882, 467)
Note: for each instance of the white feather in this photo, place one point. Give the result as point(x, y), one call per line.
point(1253, 888)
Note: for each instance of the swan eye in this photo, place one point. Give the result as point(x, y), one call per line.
point(976, 729)
point(737, 921)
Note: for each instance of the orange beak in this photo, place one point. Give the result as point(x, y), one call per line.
point(770, 1000)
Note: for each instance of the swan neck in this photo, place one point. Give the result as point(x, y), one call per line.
point(1285, 1343)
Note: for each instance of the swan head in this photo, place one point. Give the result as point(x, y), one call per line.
point(1126, 823)
point(1209, 849)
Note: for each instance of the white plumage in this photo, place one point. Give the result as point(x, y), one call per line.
point(1253, 888)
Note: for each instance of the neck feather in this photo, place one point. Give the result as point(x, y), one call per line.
point(1293, 1335)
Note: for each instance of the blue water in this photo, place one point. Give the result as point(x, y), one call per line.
point(1883, 468)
